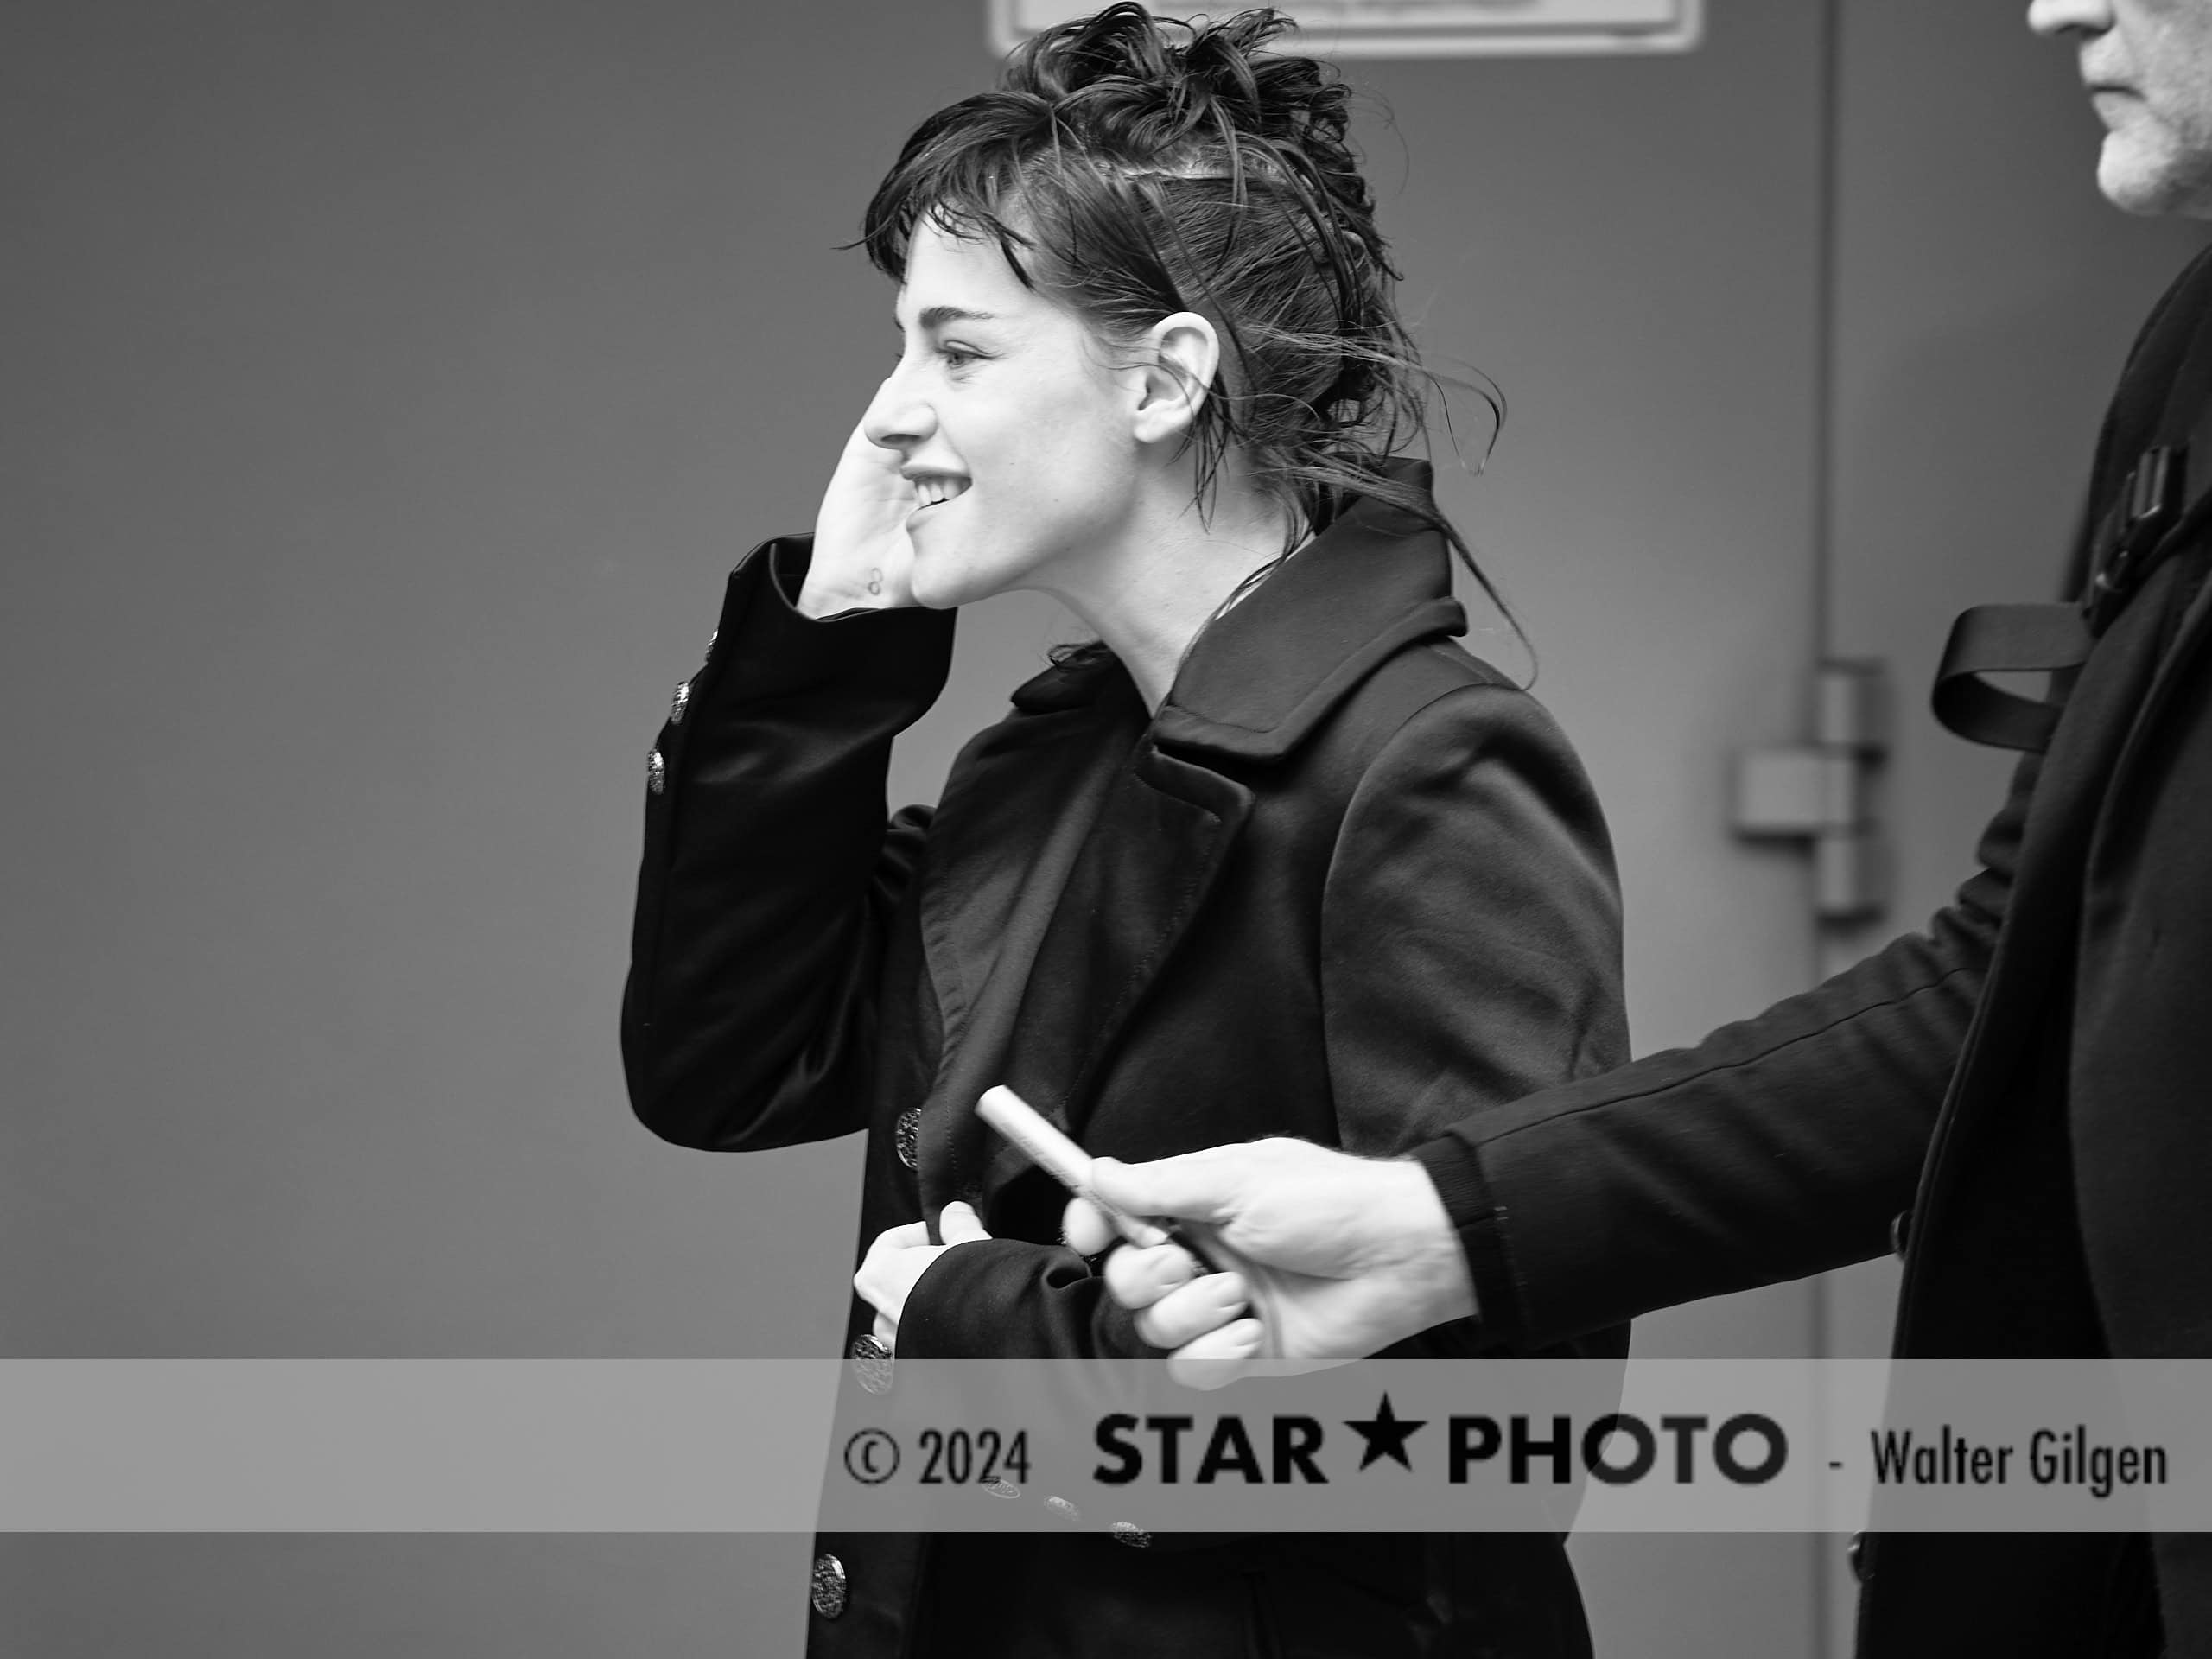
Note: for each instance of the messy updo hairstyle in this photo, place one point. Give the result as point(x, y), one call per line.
point(1128, 168)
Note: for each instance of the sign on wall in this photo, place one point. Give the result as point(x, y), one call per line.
point(1411, 29)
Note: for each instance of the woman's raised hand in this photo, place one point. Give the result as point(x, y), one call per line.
point(863, 558)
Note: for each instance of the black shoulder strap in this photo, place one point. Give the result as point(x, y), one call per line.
point(2169, 482)
point(2005, 639)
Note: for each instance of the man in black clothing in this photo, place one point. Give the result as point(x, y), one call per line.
point(2017, 1099)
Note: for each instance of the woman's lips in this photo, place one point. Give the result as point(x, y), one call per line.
point(946, 492)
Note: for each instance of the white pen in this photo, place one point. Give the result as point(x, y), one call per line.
point(1068, 1164)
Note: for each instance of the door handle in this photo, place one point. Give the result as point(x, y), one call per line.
point(1821, 791)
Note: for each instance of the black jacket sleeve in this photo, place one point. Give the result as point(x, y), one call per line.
point(1779, 1146)
point(770, 874)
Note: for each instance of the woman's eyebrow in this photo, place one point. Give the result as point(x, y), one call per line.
point(937, 317)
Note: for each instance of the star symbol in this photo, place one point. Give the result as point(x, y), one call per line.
point(1385, 1433)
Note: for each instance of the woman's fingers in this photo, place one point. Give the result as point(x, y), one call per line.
point(885, 1276)
point(958, 1223)
point(863, 557)
point(900, 1255)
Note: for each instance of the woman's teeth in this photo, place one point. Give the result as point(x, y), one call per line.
point(932, 490)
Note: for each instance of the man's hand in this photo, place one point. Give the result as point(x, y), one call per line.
point(1339, 1256)
point(900, 1255)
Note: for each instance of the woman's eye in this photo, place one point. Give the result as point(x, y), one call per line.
point(959, 356)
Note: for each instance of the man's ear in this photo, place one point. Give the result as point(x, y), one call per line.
point(1180, 354)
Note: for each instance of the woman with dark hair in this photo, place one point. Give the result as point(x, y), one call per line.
point(1271, 856)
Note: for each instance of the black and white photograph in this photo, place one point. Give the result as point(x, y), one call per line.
point(710, 706)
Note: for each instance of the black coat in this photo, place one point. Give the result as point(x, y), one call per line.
point(1348, 883)
point(2019, 1097)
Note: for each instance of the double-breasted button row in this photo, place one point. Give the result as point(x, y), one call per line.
point(1121, 1532)
point(871, 1364)
point(906, 1135)
point(678, 706)
point(826, 1592)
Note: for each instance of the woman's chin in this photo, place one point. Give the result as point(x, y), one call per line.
point(932, 592)
point(937, 589)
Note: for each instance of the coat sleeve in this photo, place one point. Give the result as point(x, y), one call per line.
point(770, 874)
point(1778, 1146)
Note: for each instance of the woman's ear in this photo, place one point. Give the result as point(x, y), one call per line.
point(1181, 354)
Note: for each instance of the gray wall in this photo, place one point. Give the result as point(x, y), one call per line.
point(389, 388)
point(386, 389)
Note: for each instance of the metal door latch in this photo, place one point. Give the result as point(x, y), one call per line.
point(1821, 791)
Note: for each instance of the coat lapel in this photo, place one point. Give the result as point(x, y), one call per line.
point(1151, 858)
point(1018, 808)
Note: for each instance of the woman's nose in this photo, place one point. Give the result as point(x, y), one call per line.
point(2053, 18)
point(898, 418)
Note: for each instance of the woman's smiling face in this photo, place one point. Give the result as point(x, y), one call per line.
point(1018, 438)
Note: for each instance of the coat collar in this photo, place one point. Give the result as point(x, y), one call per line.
point(1260, 676)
